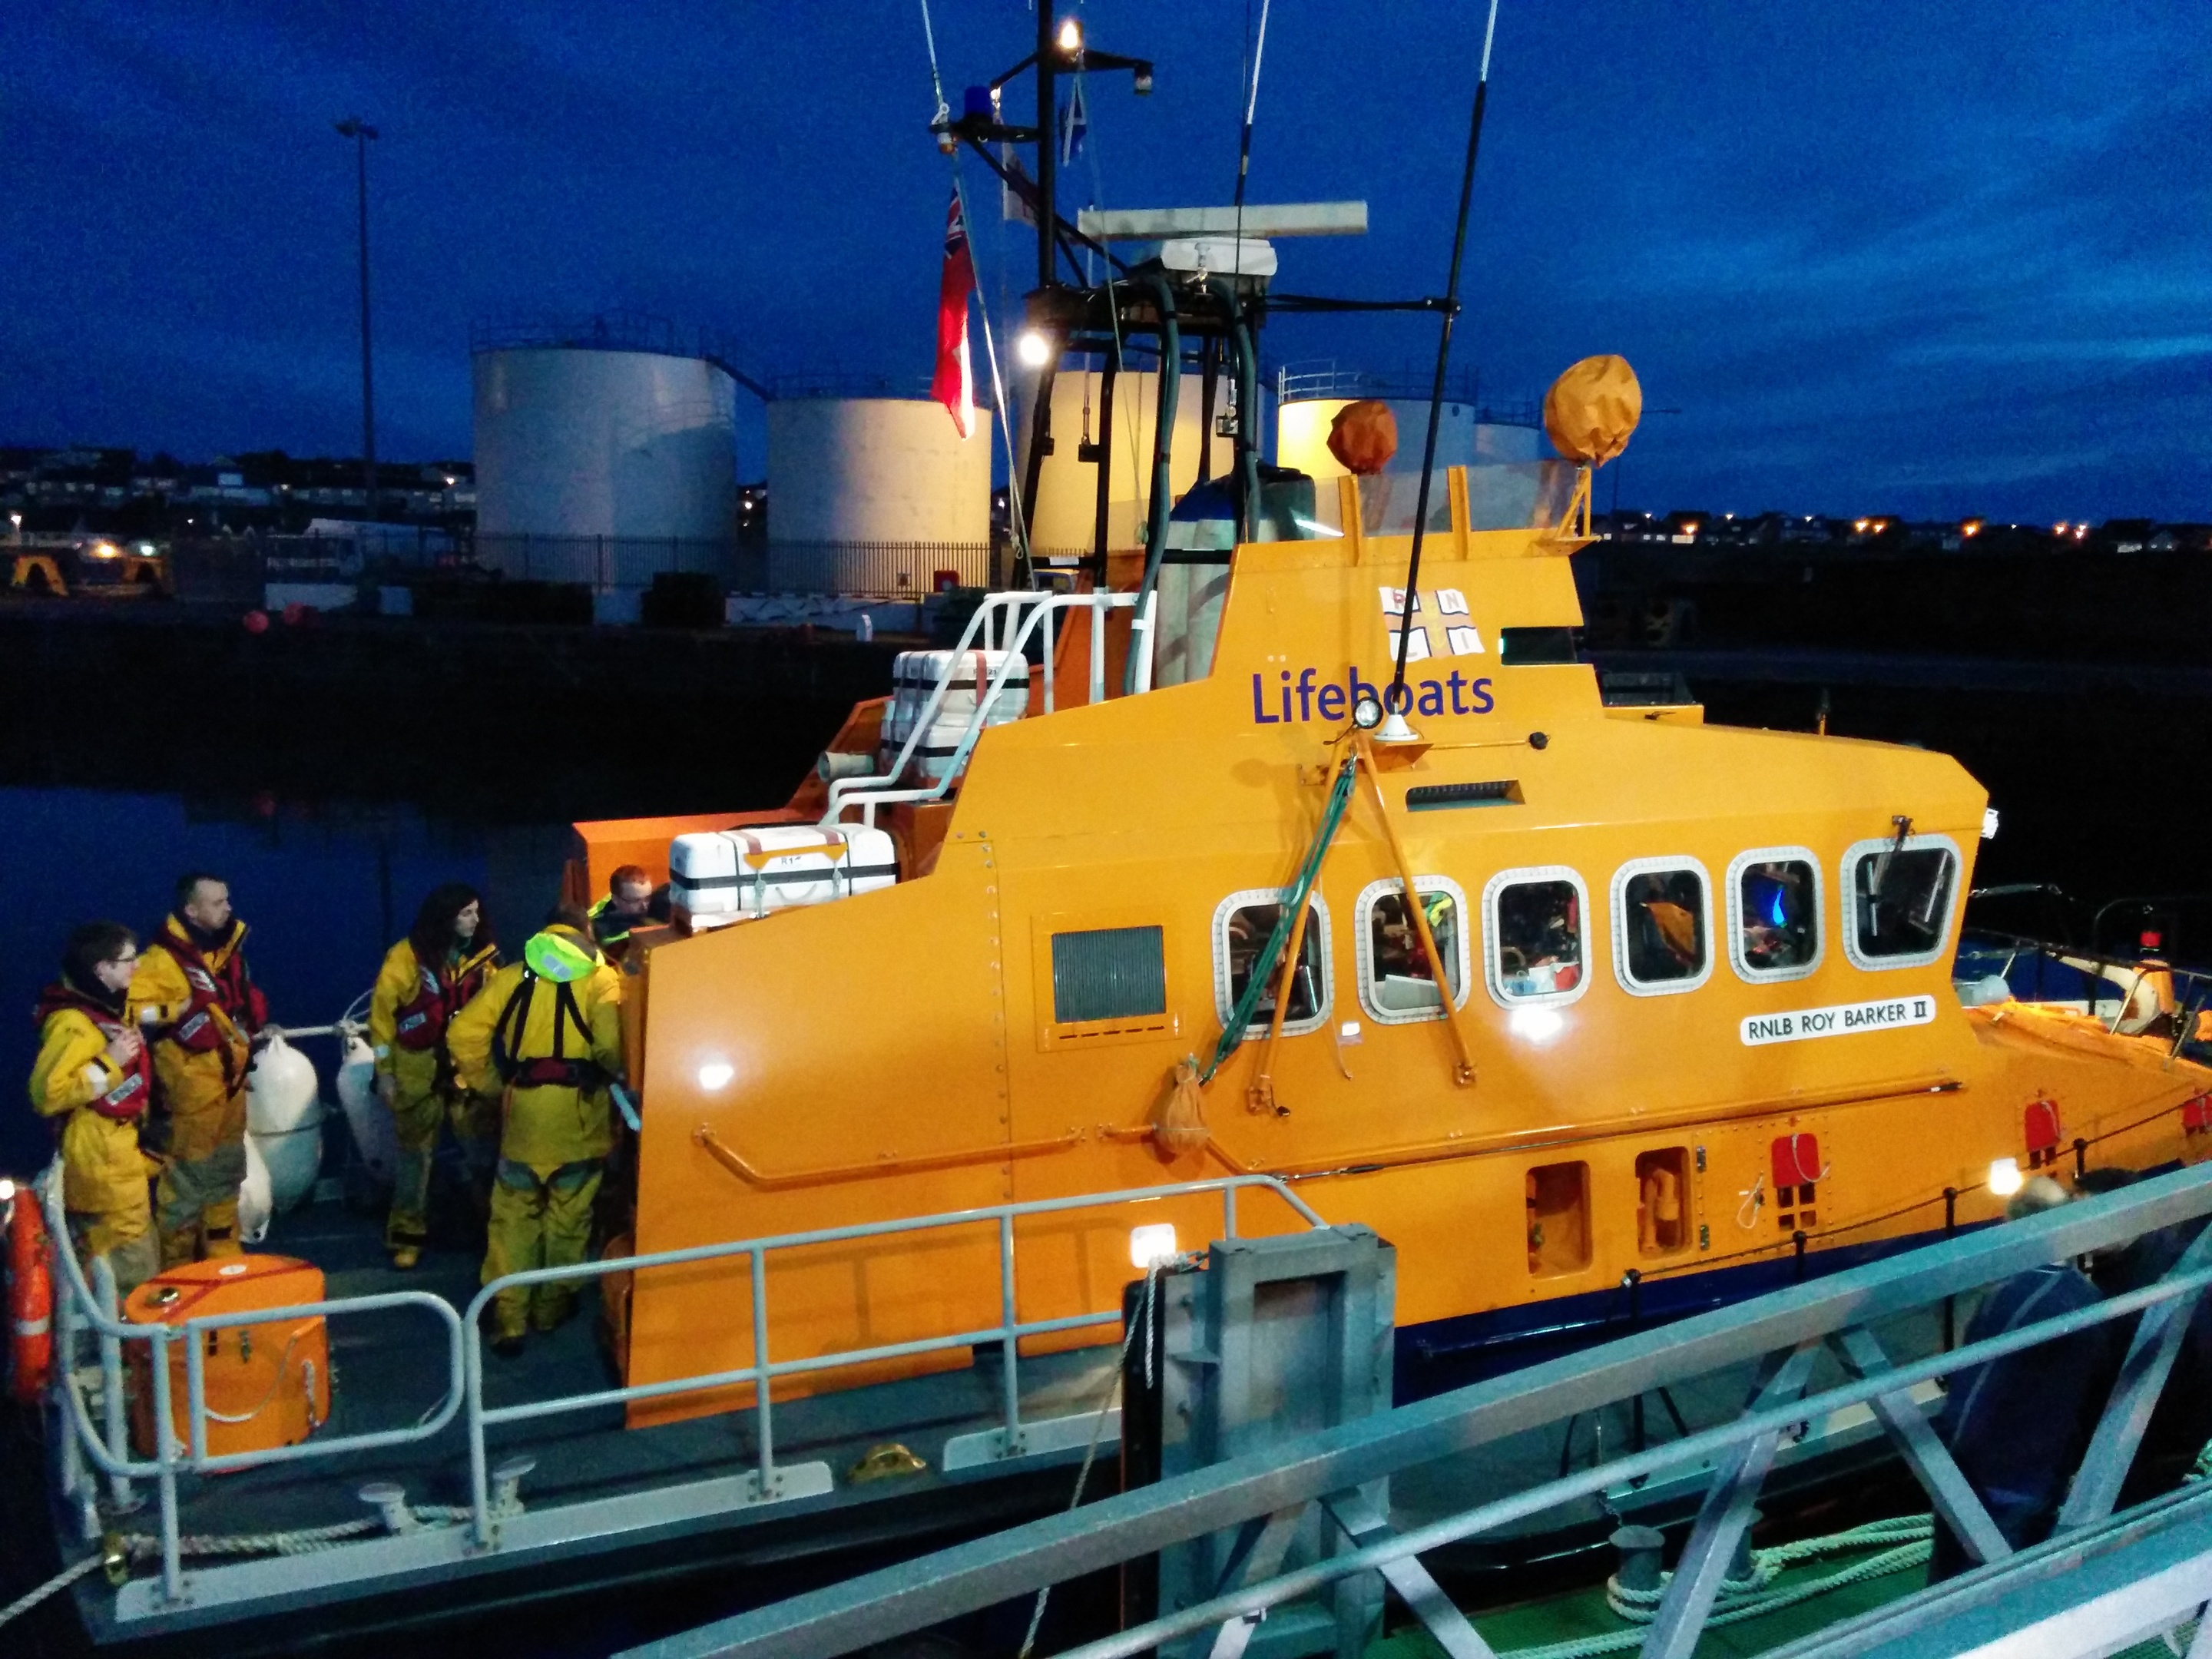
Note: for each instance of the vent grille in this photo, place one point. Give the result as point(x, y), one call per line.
point(1109, 973)
point(1437, 797)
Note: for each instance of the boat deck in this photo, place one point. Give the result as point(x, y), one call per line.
point(388, 1371)
point(625, 1498)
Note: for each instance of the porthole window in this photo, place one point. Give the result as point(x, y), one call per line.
point(1898, 900)
point(1662, 925)
point(1396, 985)
point(1774, 913)
point(1241, 925)
point(1535, 923)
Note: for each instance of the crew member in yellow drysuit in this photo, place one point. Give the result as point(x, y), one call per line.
point(428, 978)
point(547, 1031)
point(95, 1076)
point(196, 991)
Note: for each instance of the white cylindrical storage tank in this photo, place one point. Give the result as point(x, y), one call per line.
point(876, 495)
point(1463, 438)
point(617, 447)
point(1066, 513)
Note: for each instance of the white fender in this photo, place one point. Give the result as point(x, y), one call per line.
point(375, 1140)
point(281, 1090)
point(254, 1203)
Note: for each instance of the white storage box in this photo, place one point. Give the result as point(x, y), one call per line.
point(967, 675)
point(719, 876)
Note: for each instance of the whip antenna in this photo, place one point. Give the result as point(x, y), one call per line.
point(1397, 700)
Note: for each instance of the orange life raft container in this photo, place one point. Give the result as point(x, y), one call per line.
point(267, 1385)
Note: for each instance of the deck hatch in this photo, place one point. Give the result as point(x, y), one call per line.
point(1109, 973)
point(1441, 797)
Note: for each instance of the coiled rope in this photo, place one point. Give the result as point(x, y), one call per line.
point(298, 1541)
point(1754, 1597)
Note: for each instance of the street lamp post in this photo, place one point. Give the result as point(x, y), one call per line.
point(360, 132)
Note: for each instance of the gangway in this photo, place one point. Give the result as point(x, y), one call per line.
point(2096, 1586)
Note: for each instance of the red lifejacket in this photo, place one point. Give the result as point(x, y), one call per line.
point(132, 1093)
point(229, 987)
point(419, 1023)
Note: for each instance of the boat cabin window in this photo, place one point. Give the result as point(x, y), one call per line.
point(1900, 900)
point(1662, 925)
point(1774, 913)
point(1109, 973)
point(1396, 985)
point(1241, 926)
point(1535, 925)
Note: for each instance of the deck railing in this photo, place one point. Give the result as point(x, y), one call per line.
point(1783, 1333)
point(1006, 1335)
point(83, 1306)
point(1012, 621)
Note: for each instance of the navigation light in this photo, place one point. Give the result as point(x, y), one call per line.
point(1150, 1246)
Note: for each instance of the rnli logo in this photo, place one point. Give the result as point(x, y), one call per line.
point(1437, 624)
point(1844, 1020)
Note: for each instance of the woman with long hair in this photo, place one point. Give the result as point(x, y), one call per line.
point(429, 977)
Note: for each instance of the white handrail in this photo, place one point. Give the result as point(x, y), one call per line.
point(80, 1307)
point(1008, 1334)
point(1026, 613)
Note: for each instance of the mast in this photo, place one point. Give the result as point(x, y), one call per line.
point(1048, 126)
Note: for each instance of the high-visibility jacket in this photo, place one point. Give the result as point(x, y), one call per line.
point(205, 1008)
point(411, 1006)
point(546, 1032)
point(97, 1104)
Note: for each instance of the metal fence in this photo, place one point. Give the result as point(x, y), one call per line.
point(606, 562)
point(1314, 377)
point(875, 570)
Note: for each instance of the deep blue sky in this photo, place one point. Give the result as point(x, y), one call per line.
point(1936, 258)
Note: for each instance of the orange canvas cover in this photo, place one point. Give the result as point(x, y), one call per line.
point(1592, 410)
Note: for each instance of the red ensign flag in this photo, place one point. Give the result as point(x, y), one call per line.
point(955, 383)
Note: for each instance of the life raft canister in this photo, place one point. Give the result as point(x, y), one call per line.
point(30, 1299)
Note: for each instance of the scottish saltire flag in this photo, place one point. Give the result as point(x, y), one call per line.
point(954, 384)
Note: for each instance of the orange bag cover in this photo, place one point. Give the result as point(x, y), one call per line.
point(1364, 436)
point(1592, 410)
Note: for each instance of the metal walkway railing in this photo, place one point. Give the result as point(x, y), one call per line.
point(84, 1307)
point(1784, 1333)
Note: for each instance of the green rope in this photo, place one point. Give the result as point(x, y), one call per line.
point(1293, 906)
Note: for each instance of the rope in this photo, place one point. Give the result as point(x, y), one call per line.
point(936, 80)
point(1751, 1597)
point(1142, 1322)
point(1293, 905)
point(60, 1581)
